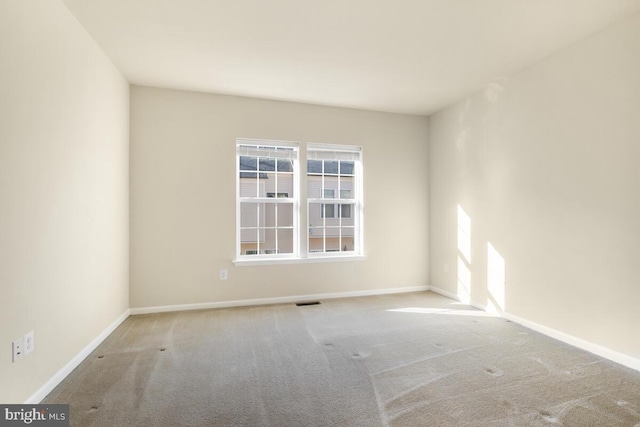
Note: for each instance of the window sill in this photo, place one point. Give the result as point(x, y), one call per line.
point(309, 260)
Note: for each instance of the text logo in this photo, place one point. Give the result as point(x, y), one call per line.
point(34, 415)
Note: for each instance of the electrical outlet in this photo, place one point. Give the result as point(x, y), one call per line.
point(446, 267)
point(29, 342)
point(17, 349)
point(224, 274)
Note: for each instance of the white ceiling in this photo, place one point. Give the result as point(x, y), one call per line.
point(406, 56)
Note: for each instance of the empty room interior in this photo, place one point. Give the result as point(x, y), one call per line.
point(321, 213)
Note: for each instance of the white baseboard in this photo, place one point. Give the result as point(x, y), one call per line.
point(455, 297)
point(444, 293)
point(607, 353)
point(275, 300)
point(57, 378)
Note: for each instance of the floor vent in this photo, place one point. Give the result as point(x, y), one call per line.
point(300, 304)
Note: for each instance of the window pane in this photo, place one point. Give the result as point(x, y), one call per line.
point(252, 214)
point(331, 232)
point(316, 239)
point(268, 246)
point(285, 215)
point(346, 187)
point(285, 165)
point(345, 211)
point(285, 185)
point(347, 242)
point(314, 187)
point(267, 164)
point(315, 214)
point(248, 163)
point(248, 186)
point(285, 241)
point(328, 211)
point(330, 187)
point(330, 167)
point(332, 240)
point(248, 214)
point(332, 221)
point(346, 168)
point(249, 238)
point(314, 166)
point(270, 215)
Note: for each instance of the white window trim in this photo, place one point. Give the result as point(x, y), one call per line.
point(301, 260)
point(298, 256)
point(357, 200)
point(295, 201)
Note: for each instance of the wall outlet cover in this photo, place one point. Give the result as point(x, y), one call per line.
point(17, 349)
point(29, 342)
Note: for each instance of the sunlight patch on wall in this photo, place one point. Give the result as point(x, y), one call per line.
point(496, 279)
point(464, 234)
point(464, 282)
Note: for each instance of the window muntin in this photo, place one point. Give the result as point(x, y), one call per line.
point(334, 200)
point(328, 211)
point(267, 199)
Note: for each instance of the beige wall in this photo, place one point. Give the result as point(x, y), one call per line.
point(183, 197)
point(63, 191)
point(546, 166)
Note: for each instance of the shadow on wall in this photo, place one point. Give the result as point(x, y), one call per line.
point(496, 269)
point(496, 272)
point(464, 256)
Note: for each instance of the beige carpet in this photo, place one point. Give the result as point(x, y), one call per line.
point(400, 360)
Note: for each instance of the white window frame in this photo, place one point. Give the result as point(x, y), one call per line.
point(301, 252)
point(353, 153)
point(243, 147)
point(337, 209)
point(323, 207)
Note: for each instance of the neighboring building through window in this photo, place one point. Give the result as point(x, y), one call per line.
point(334, 199)
point(279, 195)
point(328, 211)
point(268, 200)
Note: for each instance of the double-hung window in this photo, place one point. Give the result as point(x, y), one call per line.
point(269, 201)
point(334, 199)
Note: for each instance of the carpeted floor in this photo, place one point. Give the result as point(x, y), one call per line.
point(414, 359)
